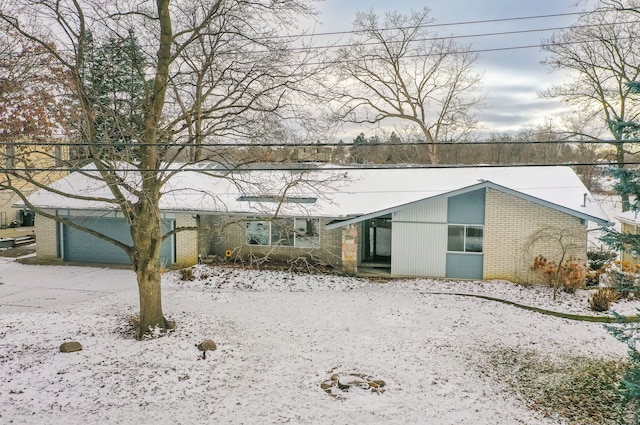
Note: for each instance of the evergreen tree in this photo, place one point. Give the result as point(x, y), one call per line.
point(115, 79)
point(358, 150)
point(628, 183)
point(629, 333)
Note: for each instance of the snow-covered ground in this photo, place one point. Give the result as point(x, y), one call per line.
point(279, 336)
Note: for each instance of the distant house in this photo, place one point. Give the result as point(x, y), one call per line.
point(629, 223)
point(469, 223)
point(31, 159)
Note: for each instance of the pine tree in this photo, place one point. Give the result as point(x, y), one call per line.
point(628, 182)
point(115, 77)
point(629, 333)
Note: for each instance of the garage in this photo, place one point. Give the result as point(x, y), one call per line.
point(79, 246)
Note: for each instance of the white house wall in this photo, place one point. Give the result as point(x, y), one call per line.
point(419, 238)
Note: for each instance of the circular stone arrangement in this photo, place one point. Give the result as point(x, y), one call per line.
point(337, 384)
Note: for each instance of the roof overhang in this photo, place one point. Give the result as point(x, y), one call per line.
point(479, 186)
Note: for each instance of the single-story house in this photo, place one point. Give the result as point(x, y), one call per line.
point(463, 222)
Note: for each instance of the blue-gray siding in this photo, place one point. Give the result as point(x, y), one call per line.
point(464, 266)
point(467, 208)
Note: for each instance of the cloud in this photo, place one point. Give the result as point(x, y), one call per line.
point(512, 78)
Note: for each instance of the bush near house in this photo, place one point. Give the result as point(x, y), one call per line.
point(602, 298)
point(624, 277)
point(597, 263)
point(568, 275)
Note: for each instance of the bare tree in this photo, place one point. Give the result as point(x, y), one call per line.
point(621, 5)
point(395, 69)
point(213, 66)
point(31, 115)
point(29, 80)
point(603, 52)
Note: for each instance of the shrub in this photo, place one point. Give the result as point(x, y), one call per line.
point(572, 275)
point(624, 277)
point(602, 299)
point(187, 274)
point(598, 260)
point(597, 264)
point(547, 269)
point(569, 275)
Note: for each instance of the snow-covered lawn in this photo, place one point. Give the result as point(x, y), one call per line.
point(279, 337)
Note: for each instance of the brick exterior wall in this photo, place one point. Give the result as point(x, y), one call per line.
point(46, 241)
point(221, 233)
point(187, 241)
point(350, 244)
point(517, 230)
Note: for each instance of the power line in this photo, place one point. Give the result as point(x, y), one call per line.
point(312, 167)
point(452, 52)
point(116, 145)
point(437, 38)
point(448, 24)
point(453, 37)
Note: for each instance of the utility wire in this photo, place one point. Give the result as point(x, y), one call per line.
point(437, 38)
point(406, 56)
point(116, 145)
point(431, 25)
point(450, 37)
point(311, 167)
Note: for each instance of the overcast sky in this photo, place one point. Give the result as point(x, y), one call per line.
point(512, 78)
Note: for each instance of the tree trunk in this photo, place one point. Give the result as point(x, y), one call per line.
point(146, 228)
point(146, 231)
point(624, 198)
point(151, 317)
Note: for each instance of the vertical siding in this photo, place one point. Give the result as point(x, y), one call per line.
point(428, 211)
point(419, 240)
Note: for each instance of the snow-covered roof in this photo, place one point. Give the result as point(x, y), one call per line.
point(630, 217)
point(331, 191)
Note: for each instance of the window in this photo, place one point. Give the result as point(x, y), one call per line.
point(307, 233)
point(298, 232)
point(465, 238)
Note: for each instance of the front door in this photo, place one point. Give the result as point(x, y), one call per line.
point(376, 241)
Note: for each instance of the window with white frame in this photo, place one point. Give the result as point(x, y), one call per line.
point(298, 232)
point(465, 238)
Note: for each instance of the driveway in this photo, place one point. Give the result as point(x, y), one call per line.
point(28, 287)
